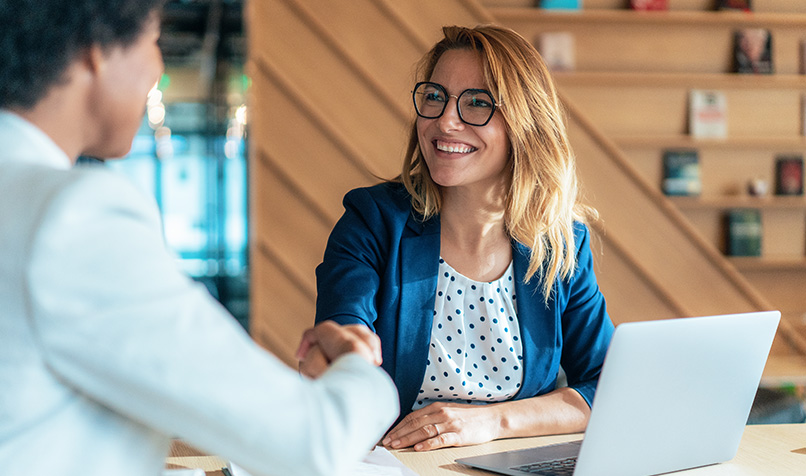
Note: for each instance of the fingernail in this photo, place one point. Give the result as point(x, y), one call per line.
point(395, 444)
point(418, 447)
point(386, 441)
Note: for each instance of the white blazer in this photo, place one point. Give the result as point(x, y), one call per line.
point(107, 350)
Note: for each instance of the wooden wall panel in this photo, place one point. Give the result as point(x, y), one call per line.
point(428, 17)
point(285, 142)
point(710, 224)
point(310, 68)
point(784, 232)
point(393, 72)
point(629, 297)
point(784, 287)
point(290, 225)
point(284, 307)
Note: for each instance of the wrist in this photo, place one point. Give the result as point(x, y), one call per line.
point(503, 419)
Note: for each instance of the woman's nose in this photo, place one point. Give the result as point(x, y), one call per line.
point(450, 120)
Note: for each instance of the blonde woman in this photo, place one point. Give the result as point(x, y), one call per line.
point(474, 266)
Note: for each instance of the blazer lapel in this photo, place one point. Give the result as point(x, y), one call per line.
point(419, 264)
point(534, 318)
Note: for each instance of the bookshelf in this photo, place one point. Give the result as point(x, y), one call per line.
point(633, 73)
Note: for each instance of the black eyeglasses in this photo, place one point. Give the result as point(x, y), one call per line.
point(475, 106)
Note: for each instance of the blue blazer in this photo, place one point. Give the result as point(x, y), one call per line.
point(380, 269)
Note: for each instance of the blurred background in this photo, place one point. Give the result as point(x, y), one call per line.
point(190, 152)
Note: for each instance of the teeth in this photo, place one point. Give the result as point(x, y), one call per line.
point(455, 148)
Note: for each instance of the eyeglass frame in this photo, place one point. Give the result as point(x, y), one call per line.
point(458, 109)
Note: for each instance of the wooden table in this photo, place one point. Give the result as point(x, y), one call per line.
point(185, 456)
point(765, 450)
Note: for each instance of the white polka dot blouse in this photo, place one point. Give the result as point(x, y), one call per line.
point(475, 354)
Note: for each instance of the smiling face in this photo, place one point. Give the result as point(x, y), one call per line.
point(458, 154)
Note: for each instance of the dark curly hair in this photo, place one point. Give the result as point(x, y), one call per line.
point(40, 38)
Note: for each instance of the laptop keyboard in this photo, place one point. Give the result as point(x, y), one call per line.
point(557, 467)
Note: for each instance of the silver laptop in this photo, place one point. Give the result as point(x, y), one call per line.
point(673, 394)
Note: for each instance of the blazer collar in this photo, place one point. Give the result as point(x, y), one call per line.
point(22, 141)
point(419, 263)
point(416, 224)
point(532, 312)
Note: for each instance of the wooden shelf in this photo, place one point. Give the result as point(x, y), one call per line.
point(752, 263)
point(689, 142)
point(686, 80)
point(670, 17)
point(762, 203)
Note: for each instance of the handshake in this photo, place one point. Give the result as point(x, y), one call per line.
point(328, 341)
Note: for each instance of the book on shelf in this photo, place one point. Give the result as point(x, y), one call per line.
point(681, 173)
point(789, 175)
point(558, 50)
point(649, 5)
point(744, 232)
point(560, 4)
point(743, 5)
point(752, 51)
point(708, 114)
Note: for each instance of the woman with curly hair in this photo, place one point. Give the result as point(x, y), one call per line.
point(107, 350)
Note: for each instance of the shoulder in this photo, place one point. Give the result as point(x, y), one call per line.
point(87, 198)
point(102, 228)
point(99, 189)
point(581, 236)
point(375, 218)
point(581, 240)
point(391, 196)
point(386, 203)
point(42, 194)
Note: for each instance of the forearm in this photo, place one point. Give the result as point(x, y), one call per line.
point(444, 424)
point(561, 411)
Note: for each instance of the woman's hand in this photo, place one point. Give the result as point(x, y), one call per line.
point(328, 341)
point(443, 424)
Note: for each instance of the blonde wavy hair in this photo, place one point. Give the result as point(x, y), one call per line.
point(542, 202)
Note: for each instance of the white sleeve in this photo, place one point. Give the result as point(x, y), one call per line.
point(118, 321)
